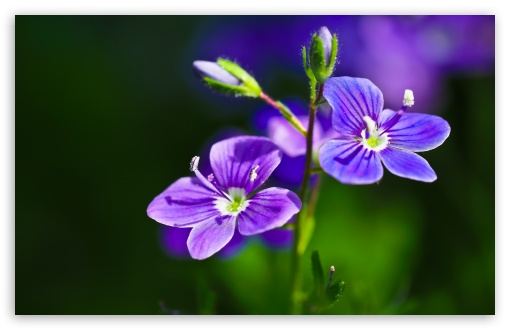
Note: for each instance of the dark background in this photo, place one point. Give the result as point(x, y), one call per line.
point(108, 114)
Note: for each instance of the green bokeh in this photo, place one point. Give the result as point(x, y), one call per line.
point(105, 120)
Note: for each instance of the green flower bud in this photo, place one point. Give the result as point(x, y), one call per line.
point(227, 77)
point(322, 55)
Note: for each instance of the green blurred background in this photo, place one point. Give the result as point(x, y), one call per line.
point(108, 114)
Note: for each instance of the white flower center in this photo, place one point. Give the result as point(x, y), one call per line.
point(235, 205)
point(371, 137)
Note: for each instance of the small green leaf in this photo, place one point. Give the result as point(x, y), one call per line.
point(240, 90)
point(334, 291)
point(206, 299)
point(318, 273)
point(334, 52)
point(303, 53)
point(317, 60)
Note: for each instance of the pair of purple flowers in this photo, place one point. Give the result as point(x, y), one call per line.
point(231, 196)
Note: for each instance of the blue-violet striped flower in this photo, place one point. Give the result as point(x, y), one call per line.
point(213, 206)
point(370, 135)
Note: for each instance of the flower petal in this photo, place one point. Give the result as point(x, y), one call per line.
point(185, 203)
point(208, 237)
point(416, 131)
point(349, 162)
point(173, 241)
point(407, 164)
point(268, 209)
point(234, 246)
point(288, 138)
point(351, 100)
point(234, 158)
point(278, 238)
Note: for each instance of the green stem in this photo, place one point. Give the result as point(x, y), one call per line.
point(285, 111)
point(298, 248)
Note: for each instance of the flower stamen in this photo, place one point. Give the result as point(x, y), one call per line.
point(408, 98)
point(193, 165)
point(253, 173)
point(235, 204)
point(371, 138)
point(407, 102)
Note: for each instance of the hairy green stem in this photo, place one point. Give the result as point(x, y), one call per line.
point(307, 209)
point(285, 111)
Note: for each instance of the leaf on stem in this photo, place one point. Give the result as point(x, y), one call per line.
point(318, 273)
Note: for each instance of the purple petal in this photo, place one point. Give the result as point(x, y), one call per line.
point(208, 237)
point(278, 238)
point(234, 246)
point(268, 209)
point(349, 162)
point(407, 165)
point(288, 138)
point(173, 241)
point(214, 71)
point(416, 131)
point(326, 38)
point(185, 203)
point(234, 158)
point(351, 100)
point(222, 134)
point(290, 171)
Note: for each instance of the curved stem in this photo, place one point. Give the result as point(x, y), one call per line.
point(306, 210)
point(285, 111)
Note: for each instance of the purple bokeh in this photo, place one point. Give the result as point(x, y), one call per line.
point(395, 52)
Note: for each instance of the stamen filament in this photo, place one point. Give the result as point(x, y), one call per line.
point(193, 166)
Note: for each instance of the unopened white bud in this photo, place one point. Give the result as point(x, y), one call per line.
point(408, 98)
point(193, 166)
point(253, 173)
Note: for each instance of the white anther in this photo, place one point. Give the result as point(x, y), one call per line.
point(253, 173)
point(370, 124)
point(332, 268)
point(408, 98)
point(210, 177)
point(193, 166)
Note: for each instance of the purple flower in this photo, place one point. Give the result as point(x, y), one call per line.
point(213, 206)
point(370, 134)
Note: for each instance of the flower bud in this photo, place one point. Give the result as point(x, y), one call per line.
point(227, 77)
point(322, 55)
point(327, 40)
point(215, 72)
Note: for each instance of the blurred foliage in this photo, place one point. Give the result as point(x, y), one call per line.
point(108, 115)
